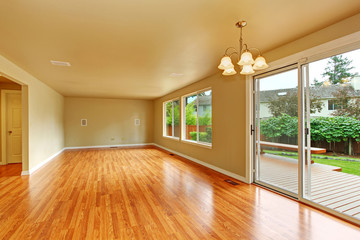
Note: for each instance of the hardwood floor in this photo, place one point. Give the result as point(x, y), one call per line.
point(13, 169)
point(148, 194)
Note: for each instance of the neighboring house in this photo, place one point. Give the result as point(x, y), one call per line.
point(204, 104)
point(324, 93)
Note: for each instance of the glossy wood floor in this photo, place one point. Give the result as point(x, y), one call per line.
point(148, 194)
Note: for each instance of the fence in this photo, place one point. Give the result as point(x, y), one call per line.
point(338, 147)
point(188, 130)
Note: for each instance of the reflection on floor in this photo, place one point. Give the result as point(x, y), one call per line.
point(13, 169)
point(329, 187)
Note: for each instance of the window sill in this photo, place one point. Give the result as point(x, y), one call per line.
point(172, 138)
point(200, 144)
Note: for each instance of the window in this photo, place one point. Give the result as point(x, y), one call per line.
point(197, 117)
point(333, 105)
point(171, 118)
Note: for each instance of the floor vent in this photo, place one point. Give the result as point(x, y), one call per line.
point(231, 182)
point(171, 154)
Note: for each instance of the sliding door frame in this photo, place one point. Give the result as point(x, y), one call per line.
point(256, 125)
point(301, 59)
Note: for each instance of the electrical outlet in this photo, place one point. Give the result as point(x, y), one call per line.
point(137, 122)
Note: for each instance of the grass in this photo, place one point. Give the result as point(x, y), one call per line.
point(350, 167)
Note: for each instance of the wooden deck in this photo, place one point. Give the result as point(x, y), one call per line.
point(329, 187)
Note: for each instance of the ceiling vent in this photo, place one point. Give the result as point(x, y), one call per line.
point(60, 63)
point(174, 75)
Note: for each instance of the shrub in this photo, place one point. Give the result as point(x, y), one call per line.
point(203, 136)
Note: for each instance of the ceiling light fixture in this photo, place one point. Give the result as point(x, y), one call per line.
point(60, 63)
point(245, 58)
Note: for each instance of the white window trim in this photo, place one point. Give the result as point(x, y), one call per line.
point(183, 119)
point(164, 119)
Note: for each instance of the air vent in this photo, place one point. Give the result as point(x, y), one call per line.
point(60, 63)
point(231, 182)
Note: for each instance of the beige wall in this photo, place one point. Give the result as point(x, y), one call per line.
point(6, 86)
point(110, 121)
point(229, 102)
point(45, 114)
point(340, 29)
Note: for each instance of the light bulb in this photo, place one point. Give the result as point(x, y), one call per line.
point(225, 63)
point(260, 63)
point(246, 59)
point(247, 69)
point(229, 71)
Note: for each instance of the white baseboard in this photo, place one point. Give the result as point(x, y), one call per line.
point(217, 169)
point(32, 170)
point(109, 146)
point(24, 173)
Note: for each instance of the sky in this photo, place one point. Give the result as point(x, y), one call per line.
point(289, 79)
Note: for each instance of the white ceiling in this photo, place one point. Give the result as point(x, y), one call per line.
point(130, 48)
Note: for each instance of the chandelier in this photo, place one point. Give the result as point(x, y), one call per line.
point(245, 58)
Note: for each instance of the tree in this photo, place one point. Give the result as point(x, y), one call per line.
point(169, 110)
point(317, 83)
point(348, 106)
point(189, 113)
point(338, 68)
point(289, 104)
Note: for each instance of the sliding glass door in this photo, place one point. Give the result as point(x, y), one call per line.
point(332, 115)
point(307, 132)
point(276, 114)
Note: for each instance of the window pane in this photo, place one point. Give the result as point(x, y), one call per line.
point(190, 118)
point(168, 116)
point(176, 118)
point(205, 121)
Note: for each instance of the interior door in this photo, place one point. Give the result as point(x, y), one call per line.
point(13, 128)
point(276, 131)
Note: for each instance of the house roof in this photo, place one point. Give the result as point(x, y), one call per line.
point(204, 100)
point(323, 92)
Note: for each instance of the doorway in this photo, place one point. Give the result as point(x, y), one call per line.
point(11, 161)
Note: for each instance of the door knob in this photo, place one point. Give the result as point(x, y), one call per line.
point(10, 132)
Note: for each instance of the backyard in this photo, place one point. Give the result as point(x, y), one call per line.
point(348, 164)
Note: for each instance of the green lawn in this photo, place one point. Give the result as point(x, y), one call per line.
point(347, 166)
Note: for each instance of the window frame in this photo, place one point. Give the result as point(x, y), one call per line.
point(172, 124)
point(183, 119)
point(333, 105)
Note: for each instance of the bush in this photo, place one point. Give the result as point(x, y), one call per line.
point(283, 125)
point(330, 129)
point(203, 136)
point(335, 129)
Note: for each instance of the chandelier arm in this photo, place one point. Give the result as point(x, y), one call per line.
point(230, 48)
point(255, 49)
point(232, 54)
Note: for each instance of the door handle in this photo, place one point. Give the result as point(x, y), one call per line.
point(10, 132)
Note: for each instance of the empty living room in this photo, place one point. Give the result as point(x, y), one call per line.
point(180, 119)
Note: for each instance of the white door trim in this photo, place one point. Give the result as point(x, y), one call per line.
point(3, 123)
